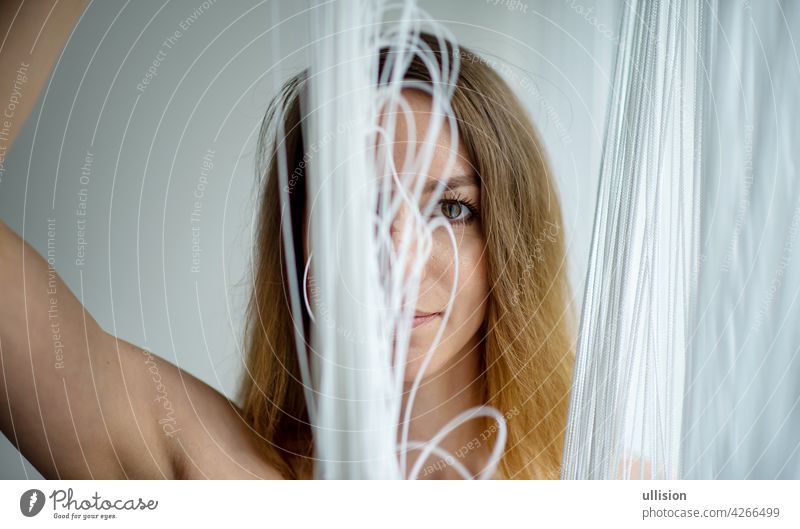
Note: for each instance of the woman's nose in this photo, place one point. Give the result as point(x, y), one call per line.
point(405, 230)
point(398, 226)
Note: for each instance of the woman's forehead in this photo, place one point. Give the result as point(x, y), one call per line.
point(411, 130)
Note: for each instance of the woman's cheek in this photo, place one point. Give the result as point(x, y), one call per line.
point(473, 282)
point(469, 258)
point(440, 264)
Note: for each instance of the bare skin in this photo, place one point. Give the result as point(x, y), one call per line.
point(89, 409)
point(76, 401)
point(80, 403)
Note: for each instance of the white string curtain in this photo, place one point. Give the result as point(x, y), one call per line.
point(625, 408)
point(363, 286)
point(687, 357)
point(349, 390)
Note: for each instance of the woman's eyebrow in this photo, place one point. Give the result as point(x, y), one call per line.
point(454, 182)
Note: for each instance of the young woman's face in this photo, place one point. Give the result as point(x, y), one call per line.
point(458, 206)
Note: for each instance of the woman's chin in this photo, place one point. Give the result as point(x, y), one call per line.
point(416, 358)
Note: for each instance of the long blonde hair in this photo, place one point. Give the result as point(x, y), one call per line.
point(529, 329)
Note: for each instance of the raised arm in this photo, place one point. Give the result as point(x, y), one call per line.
point(32, 35)
point(75, 400)
point(80, 403)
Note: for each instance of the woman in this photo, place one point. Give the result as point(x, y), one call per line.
point(104, 408)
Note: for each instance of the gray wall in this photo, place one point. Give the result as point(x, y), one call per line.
point(188, 136)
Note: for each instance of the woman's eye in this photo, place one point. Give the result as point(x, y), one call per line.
point(455, 211)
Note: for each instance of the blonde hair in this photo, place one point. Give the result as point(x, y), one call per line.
point(529, 328)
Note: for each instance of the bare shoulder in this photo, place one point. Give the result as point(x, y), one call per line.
point(203, 431)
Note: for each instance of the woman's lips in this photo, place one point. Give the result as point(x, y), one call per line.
point(420, 318)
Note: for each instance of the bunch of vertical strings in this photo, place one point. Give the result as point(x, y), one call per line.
point(364, 285)
point(688, 356)
point(625, 409)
